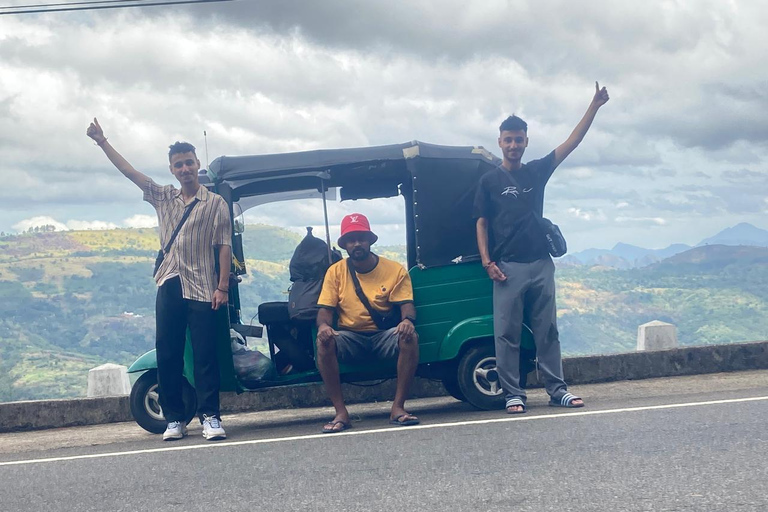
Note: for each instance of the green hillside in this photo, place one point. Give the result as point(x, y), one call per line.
point(72, 300)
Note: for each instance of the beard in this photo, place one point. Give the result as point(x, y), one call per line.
point(359, 254)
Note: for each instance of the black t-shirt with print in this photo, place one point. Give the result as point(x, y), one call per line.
point(507, 200)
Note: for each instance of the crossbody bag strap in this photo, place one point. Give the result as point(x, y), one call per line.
point(375, 315)
point(187, 211)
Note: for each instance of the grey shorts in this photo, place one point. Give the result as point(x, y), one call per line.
point(361, 347)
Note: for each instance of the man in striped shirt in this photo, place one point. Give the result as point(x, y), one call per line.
point(189, 291)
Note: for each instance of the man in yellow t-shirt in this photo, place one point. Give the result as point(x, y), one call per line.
point(370, 327)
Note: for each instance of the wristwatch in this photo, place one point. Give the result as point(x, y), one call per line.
point(412, 319)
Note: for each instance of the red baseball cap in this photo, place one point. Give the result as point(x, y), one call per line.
point(353, 223)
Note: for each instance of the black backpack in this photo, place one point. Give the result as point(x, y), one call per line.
point(307, 267)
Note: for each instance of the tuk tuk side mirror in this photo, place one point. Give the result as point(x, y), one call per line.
point(239, 226)
point(239, 222)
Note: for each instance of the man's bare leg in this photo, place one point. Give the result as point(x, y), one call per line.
point(407, 361)
point(328, 365)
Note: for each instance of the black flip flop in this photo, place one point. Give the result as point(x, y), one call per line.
point(332, 430)
point(406, 423)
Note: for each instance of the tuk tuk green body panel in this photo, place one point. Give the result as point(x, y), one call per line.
point(454, 305)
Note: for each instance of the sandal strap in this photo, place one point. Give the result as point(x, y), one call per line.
point(512, 402)
point(567, 398)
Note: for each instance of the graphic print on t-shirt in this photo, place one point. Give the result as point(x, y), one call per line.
point(514, 192)
point(510, 191)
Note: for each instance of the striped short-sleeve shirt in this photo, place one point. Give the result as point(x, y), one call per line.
point(191, 256)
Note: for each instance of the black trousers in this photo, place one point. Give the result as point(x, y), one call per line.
point(174, 314)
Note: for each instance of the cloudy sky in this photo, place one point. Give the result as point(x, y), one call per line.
point(679, 153)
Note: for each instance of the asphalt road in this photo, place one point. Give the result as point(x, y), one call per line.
point(683, 444)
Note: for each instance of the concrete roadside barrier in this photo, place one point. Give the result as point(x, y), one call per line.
point(108, 380)
point(42, 414)
point(656, 335)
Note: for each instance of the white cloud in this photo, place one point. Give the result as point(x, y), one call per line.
point(85, 225)
point(73, 225)
point(588, 215)
point(658, 221)
point(271, 77)
point(578, 172)
point(140, 221)
point(39, 221)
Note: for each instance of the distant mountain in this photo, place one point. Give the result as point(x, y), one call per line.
point(626, 256)
point(740, 234)
point(716, 257)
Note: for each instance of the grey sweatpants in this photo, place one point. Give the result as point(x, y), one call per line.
point(529, 291)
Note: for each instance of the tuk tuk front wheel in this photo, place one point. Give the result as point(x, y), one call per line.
point(478, 379)
point(145, 405)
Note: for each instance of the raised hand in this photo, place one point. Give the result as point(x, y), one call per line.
point(601, 96)
point(95, 132)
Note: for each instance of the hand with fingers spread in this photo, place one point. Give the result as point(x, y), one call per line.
point(601, 96)
point(95, 132)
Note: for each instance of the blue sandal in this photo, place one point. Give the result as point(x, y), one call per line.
point(516, 402)
point(566, 401)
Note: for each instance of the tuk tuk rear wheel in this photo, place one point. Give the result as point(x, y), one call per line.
point(145, 406)
point(451, 385)
point(477, 377)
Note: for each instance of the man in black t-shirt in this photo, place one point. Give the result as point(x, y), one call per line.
point(508, 204)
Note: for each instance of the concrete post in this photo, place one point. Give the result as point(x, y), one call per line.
point(108, 380)
point(656, 335)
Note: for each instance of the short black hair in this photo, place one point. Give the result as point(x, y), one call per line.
point(180, 147)
point(513, 124)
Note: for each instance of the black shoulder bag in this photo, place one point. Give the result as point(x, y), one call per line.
point(552, 236)
point(383, 322)
point(162, 252)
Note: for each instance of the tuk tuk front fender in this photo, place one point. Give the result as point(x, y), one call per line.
point(466, 330)
point(147, 361)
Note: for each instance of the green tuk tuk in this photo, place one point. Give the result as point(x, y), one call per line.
point(452, 292)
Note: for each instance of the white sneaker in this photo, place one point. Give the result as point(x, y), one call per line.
point(212, 428)
point(175, 430)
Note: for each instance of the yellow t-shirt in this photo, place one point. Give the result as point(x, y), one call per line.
point(388, 283)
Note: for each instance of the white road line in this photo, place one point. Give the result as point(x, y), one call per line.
point(388, 430)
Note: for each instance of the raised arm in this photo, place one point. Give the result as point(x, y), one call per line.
point(564, 149)
point(95, 132)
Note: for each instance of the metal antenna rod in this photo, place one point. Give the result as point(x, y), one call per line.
point(205, 138)
point(327, 228)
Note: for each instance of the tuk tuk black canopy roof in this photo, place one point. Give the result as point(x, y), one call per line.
point(437, 182)
point(234, 169)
